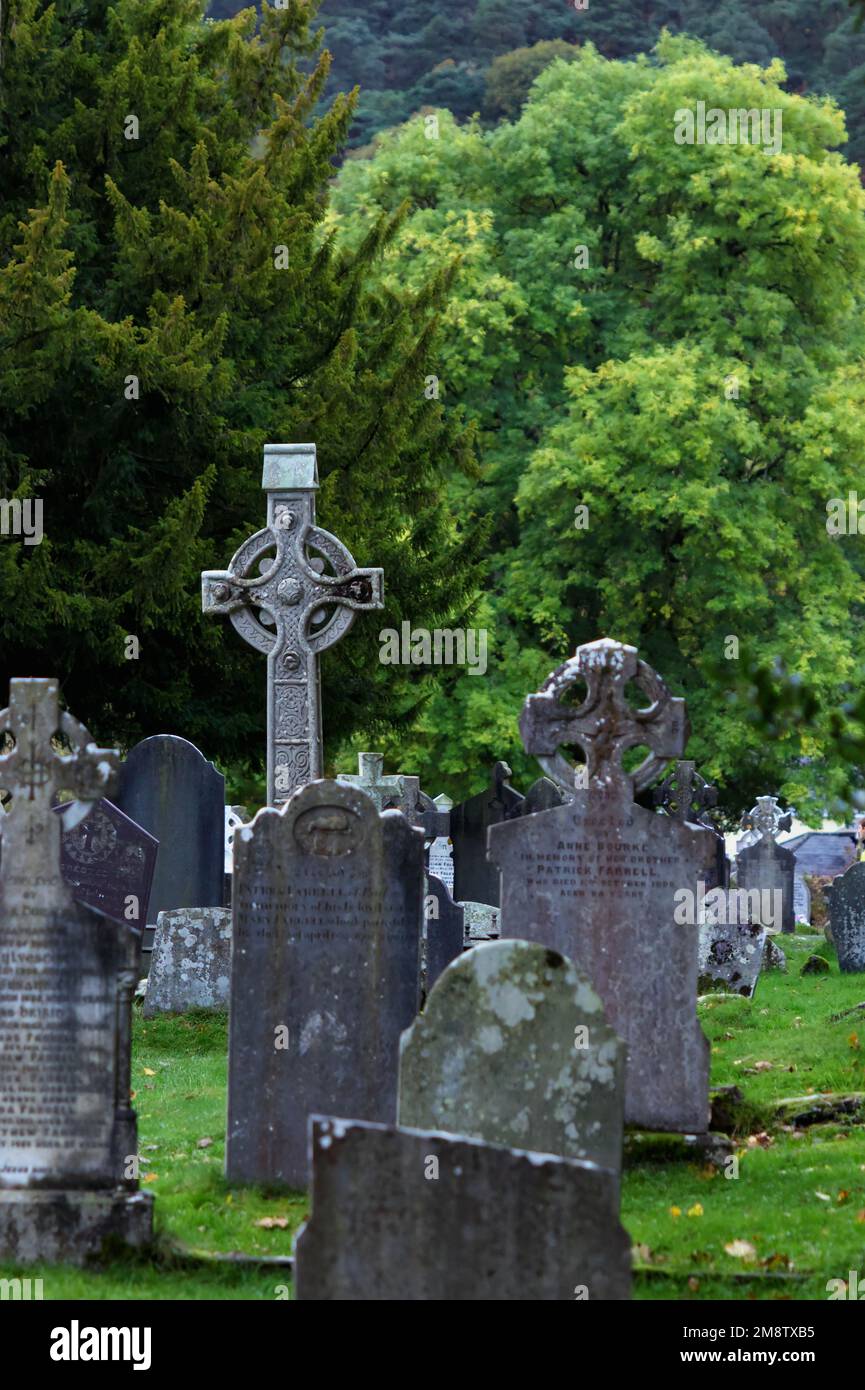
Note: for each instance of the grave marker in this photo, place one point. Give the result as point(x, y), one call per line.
point(597, 879)
point(513, 1048)
point(327, 919)
point(68, 1140)
point(475, 878)
point(766, 866)
point(191, 965)
point(406, 1215)
point(847, 918)
point(278, 598)
point(444, 929)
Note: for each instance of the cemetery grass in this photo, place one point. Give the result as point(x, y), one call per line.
point(794, 1218)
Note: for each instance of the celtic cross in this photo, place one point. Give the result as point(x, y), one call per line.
point(604, 725)
point(34, 771)
point(397, 792)
point(281, 601)
point(767, 818)
point(685, 795)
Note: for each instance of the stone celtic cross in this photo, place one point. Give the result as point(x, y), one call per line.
point(605, 725)
point(34, 771)
point(397, 792)
point(685, 795)
point(281, 601)
point(767, 818)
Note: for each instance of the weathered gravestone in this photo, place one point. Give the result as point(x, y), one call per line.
point(407, 1215)
point(444, 930)
point(109, 862)
point(543, 795)
point(475, 878)
point(67, 1132)
point(731, 956)
point(327, 920)
point(281, 601)
point(847, 918)
point(170, 788)
point(482, 922)
point(191, 965)
point(688, 798)
point(597, 879)
point(513, 1048)
point(765, 868)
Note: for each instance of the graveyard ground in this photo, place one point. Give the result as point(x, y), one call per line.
point(793, 1218)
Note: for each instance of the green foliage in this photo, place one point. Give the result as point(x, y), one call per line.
point(154, 258)
point(510, 76)
point(697, 385)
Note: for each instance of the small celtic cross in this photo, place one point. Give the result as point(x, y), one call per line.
point(767, 818)
point(685, 795)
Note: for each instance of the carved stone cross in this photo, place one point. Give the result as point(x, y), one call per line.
point(281, 601)
point(605, 725)
point(34, 771)
point(685, 795)
point(396, 792)
point(767, 818)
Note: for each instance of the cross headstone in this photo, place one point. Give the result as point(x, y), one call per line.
point(475, 878)
point(767, 867)
point(597, 879)
point(847, 918)
point(281, 601)
point(444, 930)
point(513, 1048)
point(688, 798)
point(170, 789)
point(191, 964)
point(408, 1215)
point(394, 793)
point(327, 919)
point(68, 1142)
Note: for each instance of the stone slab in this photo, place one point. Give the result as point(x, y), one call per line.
point(191, 966)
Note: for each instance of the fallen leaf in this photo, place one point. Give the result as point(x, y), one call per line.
point(150, 1177)
point(860, 1216)
point(675, 1211)
point(641, 1252)
point(763, 1066)
point(148, 1071)
point(824, 1196)
point(764, 1140)
point(741, 1250)
point(204, 1143)
point(842, 1196)
point(696, 1209)
point(269, 1223)
point(693, 1284)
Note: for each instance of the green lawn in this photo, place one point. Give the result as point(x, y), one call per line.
point(794, 1215)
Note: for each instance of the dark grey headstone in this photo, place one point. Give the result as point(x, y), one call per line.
point(409, 1216)
point(108, 862)
point(687, 797)
point(513, 1048)
point(847, 918)
point(768, 869)
point(191, 966)
point(475, 878)
point(327, 920)
point(67, 1131)
point(169, 787)
point(445, 929)
point(543, 795)
point(731, 956)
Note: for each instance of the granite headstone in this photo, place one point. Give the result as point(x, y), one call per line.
point(410, 1216)
point(327, 920)
point(847, 918)
point(444, 932)
point(191, 965)
point(765, 867)
point(475, 878)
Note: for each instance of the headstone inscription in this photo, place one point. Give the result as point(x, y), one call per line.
point(408, 1215)
point(475, 878)
point(67, 1132)
point(847, 918)
point(440, 855)
point(170, 788)
point(108, 862)
point(282, 602)
point(191, 965)
point(327, 920)
point(444, 934)
point(598, 879)
point(513, 1048)
point(765, 868)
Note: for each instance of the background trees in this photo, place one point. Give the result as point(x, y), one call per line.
point(149, 346)
point(670, 335)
